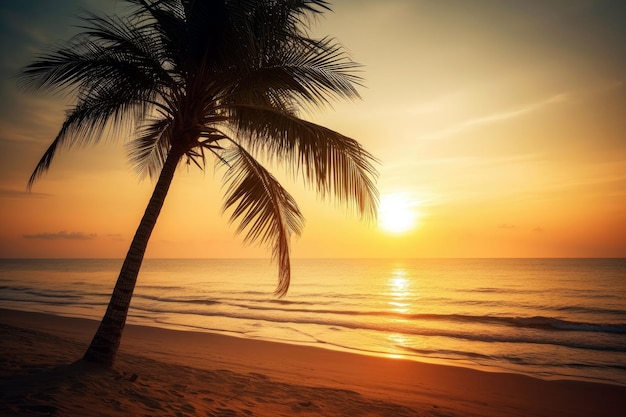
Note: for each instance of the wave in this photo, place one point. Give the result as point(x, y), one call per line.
point(541, 322)
point(201, 301)
point(490, 290)
point(600, 344)
point(289, 309)
point(536, 322)
point(48, 294)
point(591, 310)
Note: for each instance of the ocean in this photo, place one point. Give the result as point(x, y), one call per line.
point(548, 318)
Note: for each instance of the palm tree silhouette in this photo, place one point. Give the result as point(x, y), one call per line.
point(215, 79)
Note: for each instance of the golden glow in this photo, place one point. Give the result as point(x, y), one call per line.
point(399, 291)
point(396, 214)
point(400, 294)
point(481, 160)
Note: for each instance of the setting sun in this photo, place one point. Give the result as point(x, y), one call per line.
point(396, 214)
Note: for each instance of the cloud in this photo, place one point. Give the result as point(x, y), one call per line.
point(496, 117)
point(8, 193)
point(506, 226)
point(62, 235)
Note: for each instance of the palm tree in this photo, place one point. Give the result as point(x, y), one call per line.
point(223, 80)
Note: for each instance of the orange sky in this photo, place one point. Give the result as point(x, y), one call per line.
point(503, 124)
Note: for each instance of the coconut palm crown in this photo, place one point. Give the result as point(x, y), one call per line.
point(216, 80)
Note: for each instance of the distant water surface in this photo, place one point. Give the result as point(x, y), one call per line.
point(551, 318)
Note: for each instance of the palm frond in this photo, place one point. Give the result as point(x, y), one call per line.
point(335, 164)
point(109, 50)
point(288, 16)
point(149, 150)
point(165, 20)
point(265, 210)
point(139, 42)
point(88, 120)
point(44, 163)
point(299, 69)
point(115, 78)
point(323, 69)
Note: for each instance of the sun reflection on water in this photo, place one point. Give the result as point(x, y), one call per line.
point(400, 291)
point(399, 343)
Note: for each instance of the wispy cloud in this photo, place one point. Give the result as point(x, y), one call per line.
point(62, 235)
point(507, 226)
point(8, 193)
point(116, 236)
point(496, 117)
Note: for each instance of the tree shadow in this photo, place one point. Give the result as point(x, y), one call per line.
point(47, 391)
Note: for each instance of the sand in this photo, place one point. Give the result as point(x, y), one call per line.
point(173, 373)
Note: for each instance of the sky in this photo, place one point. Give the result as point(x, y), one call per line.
point(500, 127)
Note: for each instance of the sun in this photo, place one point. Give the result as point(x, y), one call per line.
point(396, 214)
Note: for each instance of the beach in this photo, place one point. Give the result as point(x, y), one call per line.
point(162, 372)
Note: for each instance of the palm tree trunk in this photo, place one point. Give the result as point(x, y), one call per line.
point(106, 341)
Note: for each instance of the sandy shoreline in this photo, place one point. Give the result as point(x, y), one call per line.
point(172, 373)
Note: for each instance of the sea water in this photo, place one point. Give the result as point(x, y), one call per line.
point(550, 318)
